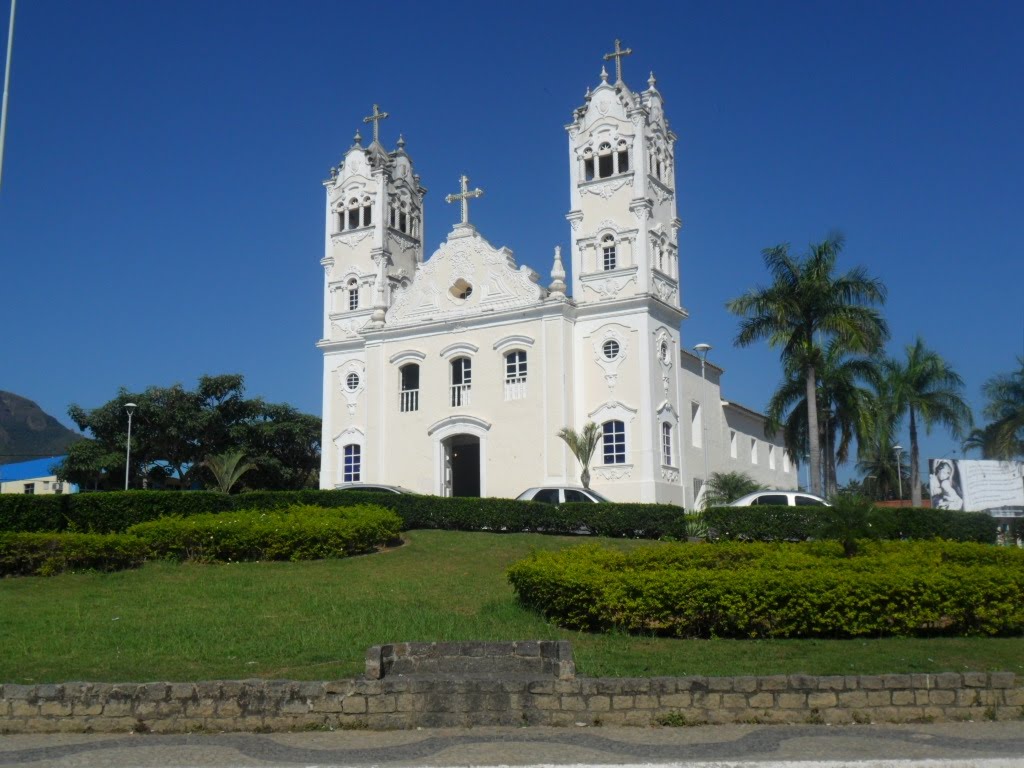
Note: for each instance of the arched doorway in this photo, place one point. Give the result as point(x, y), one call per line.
point(460, 455)
point(462, 459)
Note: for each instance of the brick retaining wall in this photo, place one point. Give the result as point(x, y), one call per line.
point(250, 705)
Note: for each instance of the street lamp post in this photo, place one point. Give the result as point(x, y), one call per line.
point(702, 350)
point(899, 469)
point(130, 408)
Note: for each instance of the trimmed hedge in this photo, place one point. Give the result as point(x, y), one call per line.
point(293, 533)
point(47, 554)
point(737, 589)
point(117, 511)
point(771, 523)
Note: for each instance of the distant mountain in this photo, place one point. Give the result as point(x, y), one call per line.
point(27, 432)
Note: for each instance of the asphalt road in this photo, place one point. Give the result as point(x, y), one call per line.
point(952, 745)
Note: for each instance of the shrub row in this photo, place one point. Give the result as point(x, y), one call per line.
point(116, 512)
point(738, 589)
point(293, 533)
point(770, 523)
point(47, 554)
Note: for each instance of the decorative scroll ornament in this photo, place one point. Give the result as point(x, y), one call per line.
point(665, 290)
point(350, 328)
point(352, 239)
point(614, 471)
point(401, 242)
point(670, 475)
point(662, 194)
point(605, 189)
point(608, 287)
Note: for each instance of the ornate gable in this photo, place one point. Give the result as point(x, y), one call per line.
point(465, 276)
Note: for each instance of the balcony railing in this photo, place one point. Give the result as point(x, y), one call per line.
point(515, 389)
point(460, 395)
point(409, 400)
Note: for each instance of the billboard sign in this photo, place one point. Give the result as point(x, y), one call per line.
point(975, 485)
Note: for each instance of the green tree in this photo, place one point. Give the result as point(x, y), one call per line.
point(1003, 436)
point(227, 469)
point(91, 466)
point(844, 408)
point(805, 301)
point(174, 429)
point(725, 487)
point(284, 445)
point(582, 444)
point(925, 388)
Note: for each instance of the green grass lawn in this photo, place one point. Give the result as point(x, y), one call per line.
point(315, 620)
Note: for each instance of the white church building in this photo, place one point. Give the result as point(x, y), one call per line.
point(451, 375)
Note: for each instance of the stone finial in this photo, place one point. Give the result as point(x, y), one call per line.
point(357, 139)
point(604, 75)
point(557, 286)
point(401, 141)
point(651, 81)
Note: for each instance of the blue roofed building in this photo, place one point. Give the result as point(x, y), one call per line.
point(33, 477)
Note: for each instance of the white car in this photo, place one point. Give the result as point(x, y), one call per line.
point(560, 494)
point(780, 499)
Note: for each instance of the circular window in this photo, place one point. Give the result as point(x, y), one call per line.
point(664, 353)
point(461, 289)
point(610, 349)
point(352, 382)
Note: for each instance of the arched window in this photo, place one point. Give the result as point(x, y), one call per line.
point(515, 375)
point(608, 255)
point(604, 160)
point(367, 211)
point(393, 214)
point(403, 217)
point(353, 294)
point(614, 442)
point(588, 164)
point(353, 213)
point(462, 380)
point(410, 394)
point(622, 155)
point(353, 462)
point(666, 444)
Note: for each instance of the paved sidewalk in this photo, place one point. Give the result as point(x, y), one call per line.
point(988, 745)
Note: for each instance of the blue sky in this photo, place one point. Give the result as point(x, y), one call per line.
point(161, 210)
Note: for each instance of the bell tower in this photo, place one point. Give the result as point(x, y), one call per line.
point(622, 185)
point(373, 232)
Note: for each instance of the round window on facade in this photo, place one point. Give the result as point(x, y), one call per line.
point(664, 353)
point(352, 382)
point(461, 289)
point(610, 349)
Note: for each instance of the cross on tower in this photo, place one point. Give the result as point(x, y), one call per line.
point(375, 118)
point(464, 197)
point(617, 55)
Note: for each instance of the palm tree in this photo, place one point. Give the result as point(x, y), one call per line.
point(926, 388)
point(805, 301)
point(582, 444)
point(844, 408)
point(227, 469)
point(1003, 437)
point(725, 487)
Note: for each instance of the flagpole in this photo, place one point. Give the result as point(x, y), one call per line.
point(7, 90)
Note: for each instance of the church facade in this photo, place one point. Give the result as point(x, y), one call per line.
point(452, 375)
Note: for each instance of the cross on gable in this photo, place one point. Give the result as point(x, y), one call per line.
point(375, 118)
point(464, 197)
point(618, 54)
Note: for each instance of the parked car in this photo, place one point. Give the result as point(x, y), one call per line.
point(780, 499)
point(372, 488)
point(559, 494)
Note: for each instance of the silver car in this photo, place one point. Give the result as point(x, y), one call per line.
point(560, 494)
